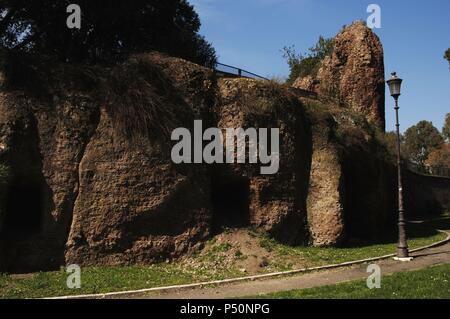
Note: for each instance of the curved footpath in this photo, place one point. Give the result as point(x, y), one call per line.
point(422, 259)
point(435, 254)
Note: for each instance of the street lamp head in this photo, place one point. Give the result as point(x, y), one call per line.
point(395, 85)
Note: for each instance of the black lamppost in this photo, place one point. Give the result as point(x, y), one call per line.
point(402, 250)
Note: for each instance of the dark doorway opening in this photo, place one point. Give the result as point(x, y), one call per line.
point(23, 210)
point(231, 201)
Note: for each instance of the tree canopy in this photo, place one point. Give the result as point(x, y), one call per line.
point(446, 128)
point(420, 140)
point(110, 29)
point(440, 157)
point(423, 145)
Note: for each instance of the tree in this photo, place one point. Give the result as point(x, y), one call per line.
point(446, 128)
point(420, 140)
point(440, 157)
point(302, 65)
point(110, 29)
point(447, 55)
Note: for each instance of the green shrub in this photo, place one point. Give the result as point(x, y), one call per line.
point(302, 65)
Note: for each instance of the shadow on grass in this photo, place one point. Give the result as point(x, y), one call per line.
point(414, 230)
point(442, 223)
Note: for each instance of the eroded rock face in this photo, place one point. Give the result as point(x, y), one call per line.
point(276, 202)
point(351, 188)
point(134, 204)
point(354, 73)
point(98, 192)
point(326, 191)
point(308, 83)
point(44, 143)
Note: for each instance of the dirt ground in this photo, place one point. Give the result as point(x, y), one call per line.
point(244, 251)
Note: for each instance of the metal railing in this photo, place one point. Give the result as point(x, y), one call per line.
point(226, 70)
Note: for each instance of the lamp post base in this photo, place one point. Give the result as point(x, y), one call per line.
point(403, 259)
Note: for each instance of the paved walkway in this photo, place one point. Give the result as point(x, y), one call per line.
point(423, 259)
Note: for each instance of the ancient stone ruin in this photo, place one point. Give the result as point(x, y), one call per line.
point(92, 181)
point(354, 73)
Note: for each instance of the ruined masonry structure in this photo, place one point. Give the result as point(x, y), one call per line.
point(354, 73)
point(92, 181)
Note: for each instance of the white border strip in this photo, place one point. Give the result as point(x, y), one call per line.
point(247, 278)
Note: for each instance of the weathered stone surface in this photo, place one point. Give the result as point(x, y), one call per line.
point(134, 204)
point(100, 193)
point(276, 202)
point(350, 194)
point(308, 83)
point(369, 180)
point(43, 144)
point(326, 187)
point(354, 73)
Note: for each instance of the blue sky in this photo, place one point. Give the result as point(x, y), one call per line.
point(415, 34)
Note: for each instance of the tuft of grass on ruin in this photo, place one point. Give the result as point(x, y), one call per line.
point(429, 283)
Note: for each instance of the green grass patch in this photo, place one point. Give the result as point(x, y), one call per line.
point(213, 265)
point(103, 279)
point(430, 283)
point(420, 235)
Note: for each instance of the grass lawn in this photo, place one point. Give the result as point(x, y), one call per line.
point(420, 235)
point(213, 265)
point(430, 283)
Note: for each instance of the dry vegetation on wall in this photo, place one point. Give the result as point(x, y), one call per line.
point(260, 97)
point(143, 102)
point(139, 97)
